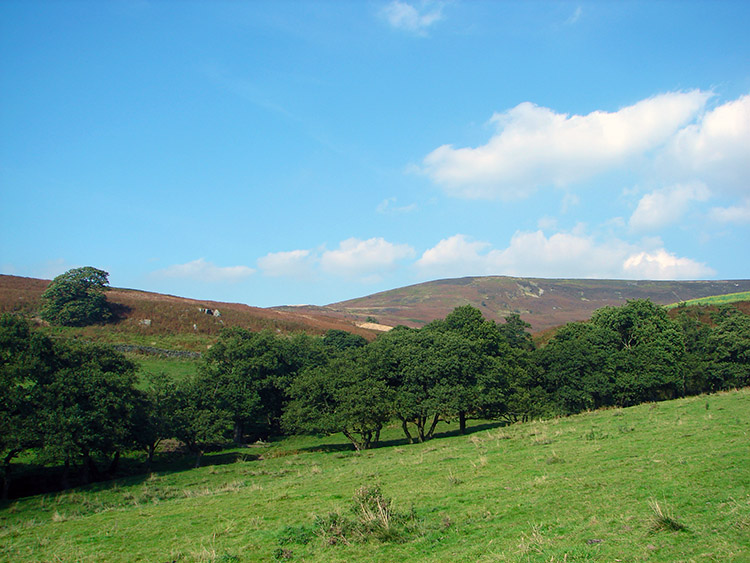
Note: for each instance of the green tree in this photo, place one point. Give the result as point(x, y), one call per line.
point(343, 395)
point(86, 407)
point(198, 421)
point(24, 356)
point(154, 415)
point(76, 298)
point(245, 374)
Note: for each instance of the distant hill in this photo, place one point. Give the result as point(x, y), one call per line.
point(544, 303)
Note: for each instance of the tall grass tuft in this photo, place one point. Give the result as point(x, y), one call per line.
point(662, 520)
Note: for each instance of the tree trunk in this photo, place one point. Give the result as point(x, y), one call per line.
point(354, 442)
point(377, 436)
point(150, 449)
point(65, 477)
point(432, 426)
point(114, 465)
point(462, 422)
point(198, 458)
point(406, 430)
point(420, 428)
point(6, 472)
point(239, 433)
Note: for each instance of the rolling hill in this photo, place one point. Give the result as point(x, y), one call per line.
point(544, 303)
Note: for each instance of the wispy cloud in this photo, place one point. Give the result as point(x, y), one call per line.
point(535, 146)
point(293, 263)
point(390, 207)
point(733, 214)
point(575, 16)
point(415, 18)
point(202, 270)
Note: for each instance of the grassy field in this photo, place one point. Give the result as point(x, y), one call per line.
point(658, 482)
point(717, 299)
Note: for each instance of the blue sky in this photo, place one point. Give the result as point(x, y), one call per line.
point(308, 152)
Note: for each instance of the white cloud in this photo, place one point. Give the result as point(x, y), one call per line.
point(666, 206)
point(661, 265)
point(411, 18)
point(455, 256)
point(561, 255)
point(534, 146)
point(201, 270)
point(734, 214)
point(293, 263)
point(370, 257)
point(716, 149)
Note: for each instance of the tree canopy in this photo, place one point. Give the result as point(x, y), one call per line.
point(76, 298)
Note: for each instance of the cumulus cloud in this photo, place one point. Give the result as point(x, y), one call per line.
point(734, 214)
point(293, 263)
point(565, 254)
point(666, 206)
point(716, 149)
point(662, 265)
point(201, 270)
point(413, 18)
point(534, 146)
point(455, 256)
point(355, 257)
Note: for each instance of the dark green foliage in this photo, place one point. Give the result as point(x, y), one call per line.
point(76, 298)
point(343, 395)
point(155, 413)
point(198, 420)
point(339, 340)
point(622, 356)
point(87, 406)
point(244, 375)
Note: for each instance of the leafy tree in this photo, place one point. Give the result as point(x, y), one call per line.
point(344, 395)
point(76, 298)
point(729, 345)
point(24, 356)
point(154, 415)
point(341, 340)
point(86, 406)
point(245, 374)
point(198, 421)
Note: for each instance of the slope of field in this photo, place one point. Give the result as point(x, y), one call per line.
point(544, 303)
point(657, 482)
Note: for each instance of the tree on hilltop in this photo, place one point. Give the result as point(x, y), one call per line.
point(76, 298)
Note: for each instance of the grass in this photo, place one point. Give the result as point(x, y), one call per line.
point(674, 487)
point(716, 299)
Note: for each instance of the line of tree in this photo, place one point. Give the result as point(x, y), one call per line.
point(79, 406)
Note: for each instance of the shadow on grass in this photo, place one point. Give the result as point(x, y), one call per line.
point(392, 442)
point(30, 480)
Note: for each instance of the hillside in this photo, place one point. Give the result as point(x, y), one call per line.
point(544, 303)
point(657, 482)
point(144, 315)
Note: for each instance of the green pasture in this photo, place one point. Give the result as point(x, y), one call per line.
point(657, 482)
point(715, 299)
